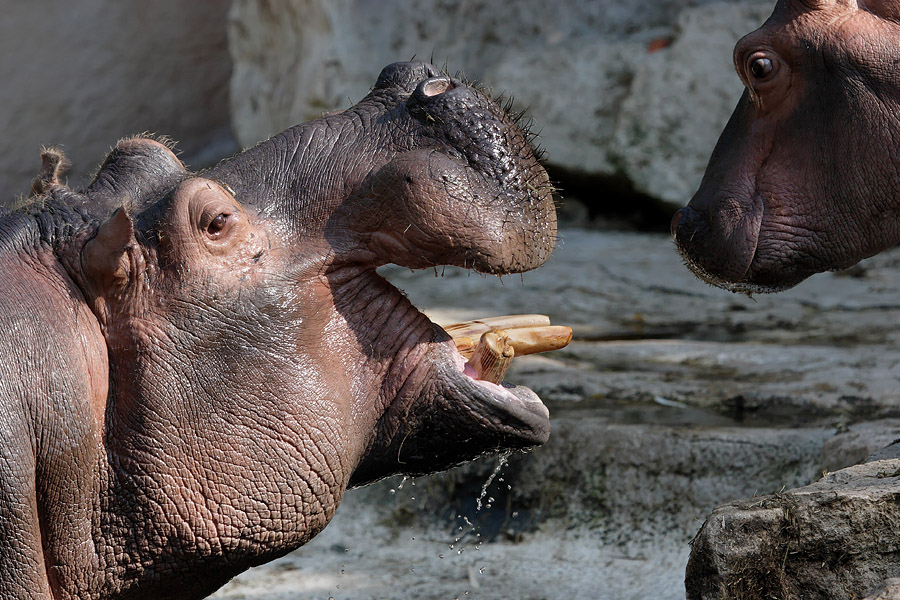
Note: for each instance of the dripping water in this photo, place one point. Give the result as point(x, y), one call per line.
point(504, 458)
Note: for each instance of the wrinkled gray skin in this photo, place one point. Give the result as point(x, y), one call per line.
point(805, 176)
point(195, 367)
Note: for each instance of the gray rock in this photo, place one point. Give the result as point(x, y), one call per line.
point(83, 74)
point(637, 89)
point(836, 539)
point(859, 441)
point(889, 590)
point(680, 99)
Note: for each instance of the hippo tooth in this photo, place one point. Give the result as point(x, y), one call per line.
point(492, 356)
point(531, 340)
point(467, 334)
point(521, 334)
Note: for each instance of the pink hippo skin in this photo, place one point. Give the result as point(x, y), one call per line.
point(194, 367)
point(805, 176)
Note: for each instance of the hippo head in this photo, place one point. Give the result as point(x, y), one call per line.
point(256, 357)
point(804, 177)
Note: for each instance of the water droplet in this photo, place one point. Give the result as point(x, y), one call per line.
point(484, 488)
point(393, 491)
point(481, 570)
point(440, 556)
point(515, 514)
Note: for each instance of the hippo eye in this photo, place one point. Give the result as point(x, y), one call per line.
point(216, 226)
point(761, 67)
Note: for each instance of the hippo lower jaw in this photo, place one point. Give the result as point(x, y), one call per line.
point(520, 401)
point(430, 386)
point(517, 411)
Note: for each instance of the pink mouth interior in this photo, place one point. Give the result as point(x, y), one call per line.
point(467, 370)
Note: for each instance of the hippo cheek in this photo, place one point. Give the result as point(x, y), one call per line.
point(794, 245)
point(719, 245)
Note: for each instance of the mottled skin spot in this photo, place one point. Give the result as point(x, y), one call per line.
point(196, 366)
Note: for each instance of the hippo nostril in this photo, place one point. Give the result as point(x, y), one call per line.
point(684, 221)
point(433, 86)
point(404, 75)
point(677, 218)
point(423, 101)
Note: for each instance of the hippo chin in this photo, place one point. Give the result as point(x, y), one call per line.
point(196, 366)
point(804, 177)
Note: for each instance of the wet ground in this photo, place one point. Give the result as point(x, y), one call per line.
point(674, 397)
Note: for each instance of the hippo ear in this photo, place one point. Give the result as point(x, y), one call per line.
point(54, 164)
point(106, 258)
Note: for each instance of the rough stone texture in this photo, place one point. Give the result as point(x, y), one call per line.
point(83, 74)
point(836, 539)
point(673, 399)
point(855, 443)
point(634, 89)
point(889, 590)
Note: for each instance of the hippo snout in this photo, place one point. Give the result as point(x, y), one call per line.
point(405, 75)
point(719, 246)
point(691, 233)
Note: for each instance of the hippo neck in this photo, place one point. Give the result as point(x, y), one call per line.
point(193, 489)
point(167, 453)
point(48, 223)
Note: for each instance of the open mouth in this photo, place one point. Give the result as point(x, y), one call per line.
point(483, 350)
point(490, 344)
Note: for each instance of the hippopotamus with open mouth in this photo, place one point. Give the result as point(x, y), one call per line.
point(195, 367)
point(804, 177)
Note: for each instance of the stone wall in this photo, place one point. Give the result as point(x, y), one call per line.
point(633, 89)
point(83, 74)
